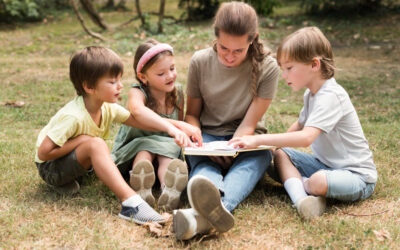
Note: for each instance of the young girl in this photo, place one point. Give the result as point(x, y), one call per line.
point(229, 88)
point(342, 166)
point(158, 97)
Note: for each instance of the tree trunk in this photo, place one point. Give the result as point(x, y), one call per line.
point(93, 14)
point(80, 18)
point(139, 12)
point(161, 16)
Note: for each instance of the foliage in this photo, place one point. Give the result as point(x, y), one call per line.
point(264, 7)
point(350, 6)
point(27, 10)
point(197, 10)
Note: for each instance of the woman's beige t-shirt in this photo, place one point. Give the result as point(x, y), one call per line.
point(226, 92)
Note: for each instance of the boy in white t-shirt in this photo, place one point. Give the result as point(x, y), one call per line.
point(342, 166)
point(72, 143)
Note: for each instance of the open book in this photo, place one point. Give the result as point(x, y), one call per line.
point(220, 148)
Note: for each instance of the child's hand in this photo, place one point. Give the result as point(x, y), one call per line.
point(193, 132)
point(246, 142)
point(180, 138)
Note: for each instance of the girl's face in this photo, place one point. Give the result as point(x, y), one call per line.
point(232, 50)
point(161, 75)
point(296, 74)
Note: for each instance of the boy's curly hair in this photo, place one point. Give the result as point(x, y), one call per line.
point(90, 64)
point(306, 44)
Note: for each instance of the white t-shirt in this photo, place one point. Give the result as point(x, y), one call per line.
point(341, 144)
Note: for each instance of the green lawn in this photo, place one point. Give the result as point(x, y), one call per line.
point(34, 60)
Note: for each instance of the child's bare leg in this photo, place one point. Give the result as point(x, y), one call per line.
point(143, 155)
point(94, 152)
point(317, 184)
point(162, 167)
point(285, 166)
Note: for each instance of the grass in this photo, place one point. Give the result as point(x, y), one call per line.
point(34, 69)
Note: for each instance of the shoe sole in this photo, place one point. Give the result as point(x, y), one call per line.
point(142, 180)
point(182, 226)
point(205, 198)
point(176, 179)
point(312, 206)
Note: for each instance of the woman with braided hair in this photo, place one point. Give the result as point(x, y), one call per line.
point(230, 86)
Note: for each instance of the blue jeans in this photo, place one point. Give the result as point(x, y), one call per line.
point(240, 179)
point(342, 184)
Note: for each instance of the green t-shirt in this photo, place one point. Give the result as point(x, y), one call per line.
point(73, 119)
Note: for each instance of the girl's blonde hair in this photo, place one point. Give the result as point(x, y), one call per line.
point(306, 44)
point(238, 19)
point(172, 97)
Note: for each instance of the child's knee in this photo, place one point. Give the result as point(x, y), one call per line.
point(317, 184)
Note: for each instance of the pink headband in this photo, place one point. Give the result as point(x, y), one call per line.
point(151, 53)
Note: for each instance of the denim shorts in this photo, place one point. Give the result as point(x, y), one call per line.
point(343, 184)
point(62, 170)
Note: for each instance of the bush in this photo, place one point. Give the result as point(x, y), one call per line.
point(28, 10)
point(197, 10)
point(264, 7)
point(349, 6)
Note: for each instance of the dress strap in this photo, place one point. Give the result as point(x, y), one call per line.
point(138, 86)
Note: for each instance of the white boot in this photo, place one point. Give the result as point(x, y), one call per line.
point(187, 223)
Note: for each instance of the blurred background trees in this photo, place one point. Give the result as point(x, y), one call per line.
point(12, 11)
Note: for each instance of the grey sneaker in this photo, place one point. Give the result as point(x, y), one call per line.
point(311, 206)
point(66, 189)
point(142, 180)
point(176, 178)
point(205, 198)
point(141, 214)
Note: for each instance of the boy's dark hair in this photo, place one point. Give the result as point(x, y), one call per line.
point(92, 63)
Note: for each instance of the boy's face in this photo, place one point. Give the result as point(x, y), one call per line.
point(108, 89)
point(296, 74)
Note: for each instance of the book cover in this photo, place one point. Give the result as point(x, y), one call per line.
point(220, 148)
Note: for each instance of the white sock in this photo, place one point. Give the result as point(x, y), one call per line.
point(133, 201)
point(304, 179)
point(294, 187)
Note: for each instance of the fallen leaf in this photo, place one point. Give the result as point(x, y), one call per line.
point(382, 234)
point(16, 104)
point(161, 230)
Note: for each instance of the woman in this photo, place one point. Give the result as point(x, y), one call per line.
point(229, 88)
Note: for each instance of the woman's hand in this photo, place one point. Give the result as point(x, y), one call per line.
point(224, 161)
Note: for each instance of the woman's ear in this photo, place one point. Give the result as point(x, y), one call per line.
point(87, 88)
point(316, 64)
point(142, 77)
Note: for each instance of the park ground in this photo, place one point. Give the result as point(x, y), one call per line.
point(34, 82)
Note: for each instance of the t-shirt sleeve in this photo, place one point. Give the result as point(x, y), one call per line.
point(192, 89)
point(64, 129)
point(326, 113)
point(269, 79)
point(120, 113)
